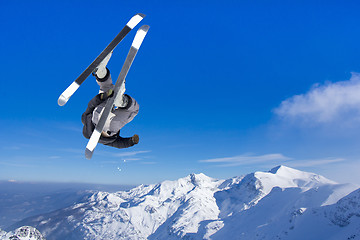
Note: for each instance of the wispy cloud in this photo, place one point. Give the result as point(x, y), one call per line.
point(132, 159)
point(129, 154)
point(17, 164)
point(315, 162)
point(325, 103)
point(246, 159)
point(269, 160)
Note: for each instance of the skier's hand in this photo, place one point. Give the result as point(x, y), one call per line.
point(106, 95)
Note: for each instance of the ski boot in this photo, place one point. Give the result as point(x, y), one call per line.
point(101, 72)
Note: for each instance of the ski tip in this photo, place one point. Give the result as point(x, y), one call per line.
point(88, 154)
point(135, 20)
point(141, 15)
point(139, 37)
point(145, 28)
point(62, 100)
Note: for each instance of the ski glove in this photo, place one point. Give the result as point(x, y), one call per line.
point(106, 95)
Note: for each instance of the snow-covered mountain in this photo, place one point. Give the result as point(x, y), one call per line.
point(19, 200)
point(283, 203)
point(22, 233)
point(2, 234)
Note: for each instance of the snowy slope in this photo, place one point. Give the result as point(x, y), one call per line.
point(333, 222)
point(282, 196)
point(22, 233)
point(283, 203)
point(21, 200)
point(2, 234)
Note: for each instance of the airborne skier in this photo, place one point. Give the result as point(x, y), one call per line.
point(125, 109)
point(111, 109)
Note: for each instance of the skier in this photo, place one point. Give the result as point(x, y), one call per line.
point(126, 108)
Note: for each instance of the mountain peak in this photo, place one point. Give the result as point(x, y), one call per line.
point(301, 178)
point(200, 179)
point(281, 169)
point(198, 176)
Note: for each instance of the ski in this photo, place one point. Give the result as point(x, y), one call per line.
point(94, 139)
point(64, 97)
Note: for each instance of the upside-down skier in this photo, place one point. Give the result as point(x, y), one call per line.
point(126, 108)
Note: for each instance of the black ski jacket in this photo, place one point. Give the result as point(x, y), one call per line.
point(86, 119)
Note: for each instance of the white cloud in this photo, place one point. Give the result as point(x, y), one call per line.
point(128, 154)
point(132, 159)
point(270, 160)
point(246, 159)
point(314, 162)
point(325, 103)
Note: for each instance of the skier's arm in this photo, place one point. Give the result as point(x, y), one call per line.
point(96, 101)
point(121, 143)
point(86, 118)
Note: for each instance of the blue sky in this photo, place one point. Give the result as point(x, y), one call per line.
point(225, 88)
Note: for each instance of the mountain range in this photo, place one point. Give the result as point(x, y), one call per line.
point(283, 203)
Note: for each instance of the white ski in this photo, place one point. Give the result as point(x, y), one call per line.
point(64, 97)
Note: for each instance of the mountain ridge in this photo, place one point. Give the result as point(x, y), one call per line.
point(259, 205)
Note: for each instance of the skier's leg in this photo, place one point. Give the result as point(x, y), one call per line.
point(105, 83)
point(103, 77)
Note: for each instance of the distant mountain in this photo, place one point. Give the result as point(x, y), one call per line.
point(22, 233)
point(2, 234)
point(19, 200)
point(283, 203)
